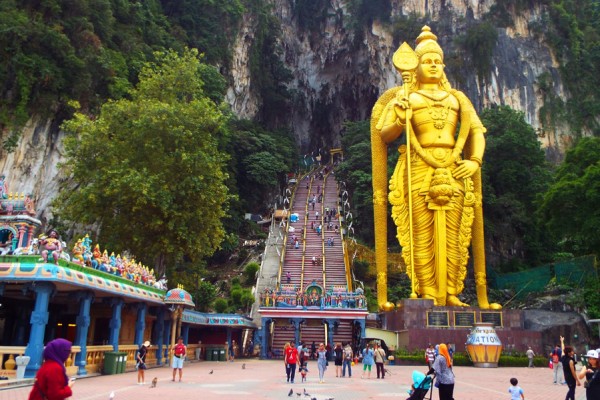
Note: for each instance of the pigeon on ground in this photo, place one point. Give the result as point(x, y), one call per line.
point(111, 396)
point(243, 366)
point(298, 394)
point(291, 393)
point(211, 371)
point(306, 393)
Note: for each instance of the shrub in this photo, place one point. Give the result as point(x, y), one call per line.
point(220, 305)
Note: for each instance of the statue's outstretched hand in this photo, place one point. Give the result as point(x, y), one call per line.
point(465, 169)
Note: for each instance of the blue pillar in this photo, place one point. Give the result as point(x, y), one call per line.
point(115, 323)
point(83, 323)
point(296, 322)
point(363, 330)
point(330, 328)
point(185, 332)
point(140, 324)
point(38, 320)
point(167, 336)
point(159, 329)
point(264, 345)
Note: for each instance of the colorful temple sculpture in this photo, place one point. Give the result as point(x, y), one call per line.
point(17, 221)
point(100, 302)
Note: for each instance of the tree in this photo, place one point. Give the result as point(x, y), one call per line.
point(570, 206)
point(515, 174)
point(204, 296)
point(148, 170)
point(356, 172)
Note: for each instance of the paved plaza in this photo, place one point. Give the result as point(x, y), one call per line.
point(266, 380)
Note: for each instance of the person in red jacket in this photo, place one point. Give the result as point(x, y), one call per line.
point(51, 381)
point(291, 358)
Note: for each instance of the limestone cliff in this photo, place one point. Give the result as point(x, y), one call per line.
point(339, 70)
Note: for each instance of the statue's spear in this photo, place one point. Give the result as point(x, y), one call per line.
point(406, 61)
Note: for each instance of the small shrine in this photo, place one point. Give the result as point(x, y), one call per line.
point(17, 221)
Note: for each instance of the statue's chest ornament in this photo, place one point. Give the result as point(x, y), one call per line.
point(438, 107)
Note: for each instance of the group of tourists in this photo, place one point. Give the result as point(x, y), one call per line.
point(563, 362)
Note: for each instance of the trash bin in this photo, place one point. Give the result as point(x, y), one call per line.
point(222, 355)
point(110, 362)
point(122, 363)
point(215, 356)
point(208, 353)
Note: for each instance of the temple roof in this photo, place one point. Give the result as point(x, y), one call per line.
point(179, 296)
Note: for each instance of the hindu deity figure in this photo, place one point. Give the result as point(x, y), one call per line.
point(78, 250)
point(3, 187)
point(50, 244)
point(435, 190)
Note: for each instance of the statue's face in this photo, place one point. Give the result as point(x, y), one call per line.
point(431, 68)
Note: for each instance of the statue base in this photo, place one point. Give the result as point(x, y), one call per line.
point(419, 323)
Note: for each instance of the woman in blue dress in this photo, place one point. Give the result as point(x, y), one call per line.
point(367, 361)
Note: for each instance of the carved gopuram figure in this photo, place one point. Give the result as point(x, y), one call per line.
point(435, 190)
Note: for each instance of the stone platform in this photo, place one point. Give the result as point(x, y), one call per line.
point(420, 323)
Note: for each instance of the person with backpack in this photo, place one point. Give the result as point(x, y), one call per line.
point(555, 356)
point(291, 358)
point(348, 356)
point(179, 353)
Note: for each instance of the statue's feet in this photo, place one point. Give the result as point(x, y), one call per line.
point(430, 297)
point(495, 306)
point(452, 300)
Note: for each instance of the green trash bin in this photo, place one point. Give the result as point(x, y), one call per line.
point(208, 353)
point(215, 356)
point(110, 363)
point(222, 355)
point(122, 362)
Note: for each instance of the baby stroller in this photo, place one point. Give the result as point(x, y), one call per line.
point(422, 384)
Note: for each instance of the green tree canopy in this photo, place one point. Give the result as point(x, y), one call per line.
point(515, 174)
point(147, 169)
point(570, 206)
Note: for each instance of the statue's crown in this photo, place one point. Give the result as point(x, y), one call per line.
point(427, 43)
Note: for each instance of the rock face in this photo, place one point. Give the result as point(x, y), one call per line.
point(338, 73)
point(554, 324)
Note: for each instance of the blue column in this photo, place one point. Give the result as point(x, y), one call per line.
point(296, 322)
point(159, 329)
point(266, 325)
point(363, 330)
point(330, 328)
point(83, 323)
point(38, 320)
point(229, 346)
point(115, 323)
point(140, 324)
point(185, 332)
point(167, 336)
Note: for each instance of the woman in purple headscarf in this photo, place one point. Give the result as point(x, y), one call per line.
point(51, 381)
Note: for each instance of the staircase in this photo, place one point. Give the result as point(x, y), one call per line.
point(294, 257)
point(312, 331)
point(344, 332)
point(335, 266)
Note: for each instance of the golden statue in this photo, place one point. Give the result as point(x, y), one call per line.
point(441, 170)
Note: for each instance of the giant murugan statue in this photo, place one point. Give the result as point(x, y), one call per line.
point(435, 190)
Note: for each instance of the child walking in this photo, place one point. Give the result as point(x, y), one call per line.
point(516, 393)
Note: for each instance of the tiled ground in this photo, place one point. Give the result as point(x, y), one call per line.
point(266, 380)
